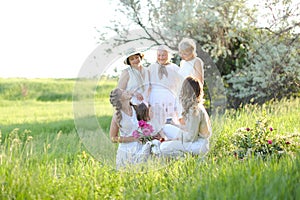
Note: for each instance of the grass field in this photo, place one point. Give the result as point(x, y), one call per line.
point(43, 157)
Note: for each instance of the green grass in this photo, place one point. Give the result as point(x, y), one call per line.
point(56, 164)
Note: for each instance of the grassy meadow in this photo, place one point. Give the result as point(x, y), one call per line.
point(44, 156)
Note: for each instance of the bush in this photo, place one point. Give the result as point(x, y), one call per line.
point(272, 72)
point(261, 141)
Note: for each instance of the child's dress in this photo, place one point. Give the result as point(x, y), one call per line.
point(131, 152)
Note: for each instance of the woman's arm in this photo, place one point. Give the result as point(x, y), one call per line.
point(149, 87)
point(198, 67)
point(123, 80)
point(122, 84)
point(205, 129)
point(114, 133)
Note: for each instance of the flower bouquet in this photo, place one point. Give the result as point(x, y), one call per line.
point(144, 131)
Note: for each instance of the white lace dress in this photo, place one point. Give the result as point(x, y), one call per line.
point(131, 152)
point(163, 93)
point(138, 82)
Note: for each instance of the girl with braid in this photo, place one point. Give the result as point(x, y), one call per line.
point(192, 136)
point(123, 123)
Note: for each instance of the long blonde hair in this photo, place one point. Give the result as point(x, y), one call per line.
point(191, 95)
point(115, 96)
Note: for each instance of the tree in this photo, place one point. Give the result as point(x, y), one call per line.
point(229, 31)
point(272, 68)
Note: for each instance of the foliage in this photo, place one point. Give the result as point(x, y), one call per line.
point(284, 114)
point(15, 143)
point(272, 72)
point(55, 164)
point(255, 54)
point(260, 141)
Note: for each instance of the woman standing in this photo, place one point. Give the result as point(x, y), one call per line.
point(164, 77)
point(190, 65)
point(135, 78)
point(123, 123)
point(193, 136)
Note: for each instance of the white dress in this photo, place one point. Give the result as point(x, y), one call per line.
point(163, 93)
point(192, 141)
point(138, 82)
point(186, 69)
point(131, 152)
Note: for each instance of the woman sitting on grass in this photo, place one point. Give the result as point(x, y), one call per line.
point(124, 122)
point(193, 135)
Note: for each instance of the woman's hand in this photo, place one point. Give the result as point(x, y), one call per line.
point(139, 96)
point(156, 137)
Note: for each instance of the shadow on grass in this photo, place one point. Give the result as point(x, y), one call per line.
point(64, 126)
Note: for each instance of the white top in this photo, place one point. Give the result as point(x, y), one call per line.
point(128, 123)
point(169, 82)
point(138, 81)
point(187, 67)
point(128, 152)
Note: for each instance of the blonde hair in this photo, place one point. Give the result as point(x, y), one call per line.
point(191, 95)
point(187, 43)
point(115, 96)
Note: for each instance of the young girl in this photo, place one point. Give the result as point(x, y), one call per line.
point(144, 112)
point(124, 122)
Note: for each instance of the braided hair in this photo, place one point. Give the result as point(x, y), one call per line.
point(115, 96)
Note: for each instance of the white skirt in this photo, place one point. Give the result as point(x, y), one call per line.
point(132, 153)
point(177, 147)
point(163, 105)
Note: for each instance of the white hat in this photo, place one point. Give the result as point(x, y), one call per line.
point(130, 52)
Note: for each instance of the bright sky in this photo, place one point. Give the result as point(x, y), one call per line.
point(49, 38)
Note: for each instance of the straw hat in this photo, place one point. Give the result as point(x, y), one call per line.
point(131, 52)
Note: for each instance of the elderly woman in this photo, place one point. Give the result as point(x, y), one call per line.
point(135, 78)
point(193, 136)
point(124, 122)
point(164, 78)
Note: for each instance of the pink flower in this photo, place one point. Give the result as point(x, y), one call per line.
point(135, 134)
point(269, 141)
point(271, 129)
point(142, 123)
point(146, 132)
point(149, 126)
point(143, 133)
point(247, 129)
